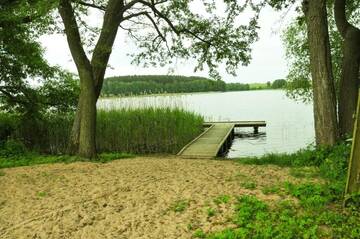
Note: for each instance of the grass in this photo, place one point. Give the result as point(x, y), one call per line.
point(29, 159)
point(249, 185)
point(311, 209)
point(222, 199)
point(210, 212)
point(273, 189)
point(179, 205)
point(42, 194)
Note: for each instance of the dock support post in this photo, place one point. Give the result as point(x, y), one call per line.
point(256, 130)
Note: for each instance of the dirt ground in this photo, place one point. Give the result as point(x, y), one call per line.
point(129, 198)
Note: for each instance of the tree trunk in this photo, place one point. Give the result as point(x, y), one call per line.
point(349, 82)
point(100, 58)
point(87, 142)
point(84, 128)
point(326, 127)
point(73, 145)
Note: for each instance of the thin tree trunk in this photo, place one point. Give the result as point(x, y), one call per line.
point(353, 180)
point(349, 82)
point(73, 144)
point(326, 127)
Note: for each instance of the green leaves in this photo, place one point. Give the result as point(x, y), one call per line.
point(209, 32)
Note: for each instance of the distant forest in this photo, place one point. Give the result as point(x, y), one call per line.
point(157, 84)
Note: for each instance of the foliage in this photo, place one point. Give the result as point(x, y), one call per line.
point(138, 131)
point(210, 38)
point(332, 161)
point(12, 148)
point(153, 84)
point(21, 56)
point(299, 85)
point(236, 87)
point(278, 84)
point(256, 219)
point(319, 213)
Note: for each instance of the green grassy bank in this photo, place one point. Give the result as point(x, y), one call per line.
point(316, 208)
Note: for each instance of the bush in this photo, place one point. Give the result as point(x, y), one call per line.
point(12, 148)
point(8, 124)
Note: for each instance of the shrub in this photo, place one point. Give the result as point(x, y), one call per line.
point(12, 148)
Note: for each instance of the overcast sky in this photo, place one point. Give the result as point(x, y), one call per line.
point(268, 54)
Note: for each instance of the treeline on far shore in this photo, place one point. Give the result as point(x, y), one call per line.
point(158, 84)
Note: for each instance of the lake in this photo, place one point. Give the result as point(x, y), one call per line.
point(290, 124)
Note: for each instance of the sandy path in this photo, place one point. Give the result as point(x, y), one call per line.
point(129, 198)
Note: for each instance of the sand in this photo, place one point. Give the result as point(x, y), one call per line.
point(129, 198)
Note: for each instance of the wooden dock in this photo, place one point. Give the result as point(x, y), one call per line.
point(216, 139)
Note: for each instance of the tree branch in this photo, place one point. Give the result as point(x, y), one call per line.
point(73, 36)
point(127, 17)
point(340, 17)
point(92, 5)
point(112, 19)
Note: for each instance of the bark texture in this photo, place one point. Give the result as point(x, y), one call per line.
point(349, 82)
point(91, 73)
point(326, 127)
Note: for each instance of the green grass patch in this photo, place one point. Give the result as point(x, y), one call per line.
point(317, 212)
point(249, 185)
point(210, 212)
point(199, 234)
point(41, 194)
point(222, 199)
point(304, 172)
point(329, 162)
point(271, 190)
point(180, 205)
point(29, 159)
point(256, 219)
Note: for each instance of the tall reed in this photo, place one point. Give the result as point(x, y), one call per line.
point(148, 130)
point(142, 130)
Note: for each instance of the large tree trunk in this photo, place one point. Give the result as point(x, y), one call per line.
point(350, 81)
point(83, 133)
point(87, 143)
point(326, 127)
point(85, 119)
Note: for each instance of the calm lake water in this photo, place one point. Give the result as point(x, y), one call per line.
point(290, 124)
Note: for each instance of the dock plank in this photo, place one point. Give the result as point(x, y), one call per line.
point(210, 142)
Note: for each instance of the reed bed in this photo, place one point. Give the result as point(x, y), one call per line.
point(147, 130)
point(139, 130)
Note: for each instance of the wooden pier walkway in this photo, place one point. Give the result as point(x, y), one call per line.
point(216, 139)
